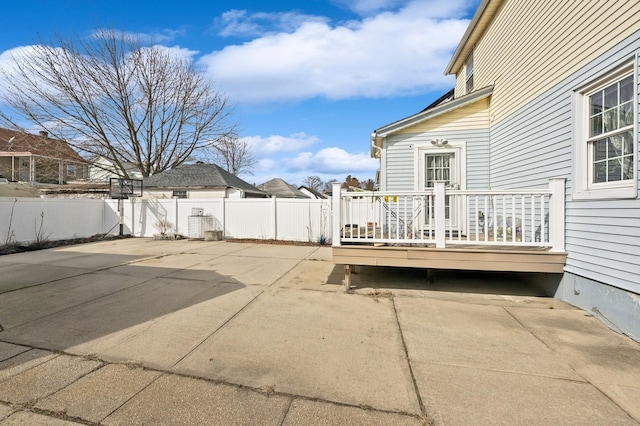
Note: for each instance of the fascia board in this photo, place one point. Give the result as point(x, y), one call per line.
point(438, 110)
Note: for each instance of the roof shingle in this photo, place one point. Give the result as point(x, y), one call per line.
point(198, 175)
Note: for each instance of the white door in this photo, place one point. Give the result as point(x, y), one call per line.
point(444, 166)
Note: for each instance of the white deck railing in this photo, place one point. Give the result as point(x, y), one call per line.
point(445, 217)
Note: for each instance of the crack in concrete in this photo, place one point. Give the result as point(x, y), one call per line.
point(286, 411)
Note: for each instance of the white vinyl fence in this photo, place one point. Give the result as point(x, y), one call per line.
point(32, 219)
point(40, 219)
point(269, 219)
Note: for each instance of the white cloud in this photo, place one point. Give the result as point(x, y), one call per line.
point(240, 23)
point(162, 36)
point(178, 52)
point(367, 6)
point(329, 161)
point(276, 143)
point(390, 54)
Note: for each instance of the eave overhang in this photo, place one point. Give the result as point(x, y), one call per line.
point(378, 135)
point(485, 13)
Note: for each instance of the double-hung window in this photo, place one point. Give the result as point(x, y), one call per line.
point(469, 73)
point(606, 151)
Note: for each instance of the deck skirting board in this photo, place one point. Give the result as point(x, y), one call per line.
point(507, 260)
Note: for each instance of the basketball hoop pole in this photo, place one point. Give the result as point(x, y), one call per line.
point(122, 189)
point(121, 211)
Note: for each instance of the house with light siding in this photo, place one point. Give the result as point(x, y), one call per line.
point(545, 91)
point(198, 181)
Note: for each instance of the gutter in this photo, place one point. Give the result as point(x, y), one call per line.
point(467, 34)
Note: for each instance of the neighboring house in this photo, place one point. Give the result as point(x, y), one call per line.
point(277, 187)
point(312, 193)
point(39, 159)
point(102, 169)
point(198, 181)
point(543, 91)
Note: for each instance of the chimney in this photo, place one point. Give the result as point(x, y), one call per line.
point(44, 133)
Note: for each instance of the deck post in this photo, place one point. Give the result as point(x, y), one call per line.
point(557, 214)
point(336, 214)
point(440, 213)
point(347, 278)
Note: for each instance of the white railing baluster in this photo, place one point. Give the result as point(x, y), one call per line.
point(486, 218)
point(489, 217)
point(504, 218)
point(543, 237)
point(523, 218)
point(405, 218)
point(513, 218)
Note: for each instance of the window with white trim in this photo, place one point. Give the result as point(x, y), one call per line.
point(468, 65)
point(611, 142)
point(606, 151)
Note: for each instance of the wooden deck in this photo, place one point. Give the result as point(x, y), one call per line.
point(461, 257)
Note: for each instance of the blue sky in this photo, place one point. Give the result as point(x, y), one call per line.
point(309, 81)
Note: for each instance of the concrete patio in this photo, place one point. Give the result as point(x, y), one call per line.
point(138, 331)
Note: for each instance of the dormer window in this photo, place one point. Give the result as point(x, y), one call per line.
point(468, 65)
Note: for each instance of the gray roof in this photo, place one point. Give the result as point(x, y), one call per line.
point(279, 188)
point(318, 194)
point(198, 176)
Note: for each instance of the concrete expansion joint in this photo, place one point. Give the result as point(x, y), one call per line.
point(59, 415)
point(263, 390)
point(573, 368)
point(284, 274)
point(218, 328)
point(134, 395)
point(423, 409)
point(86, 302)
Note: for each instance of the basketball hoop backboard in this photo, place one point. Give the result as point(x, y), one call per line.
point(121, 189)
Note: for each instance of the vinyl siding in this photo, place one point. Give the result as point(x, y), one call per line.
point(529, 47)
point(536, 143)
point(467, 124)
point(461, 82)
point(401, 161)
point(472, 116)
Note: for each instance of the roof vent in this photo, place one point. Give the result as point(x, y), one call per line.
point(44, 133)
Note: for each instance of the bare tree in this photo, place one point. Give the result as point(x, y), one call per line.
point(112, 96)
point(313, 182)
point(368, 184)
point(234, 155)
point(328, 185)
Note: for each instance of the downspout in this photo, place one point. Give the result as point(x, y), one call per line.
point(374, 138)
point(377, 153)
